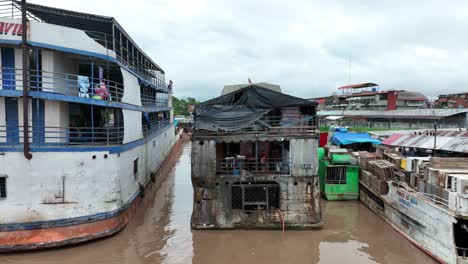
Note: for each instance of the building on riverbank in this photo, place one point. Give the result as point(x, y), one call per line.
point(368, 96)
point(395, 119)
point(254, 161)
point(456, 100)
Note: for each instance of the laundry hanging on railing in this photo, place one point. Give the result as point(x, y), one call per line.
point(83, 84)
point(101, 74)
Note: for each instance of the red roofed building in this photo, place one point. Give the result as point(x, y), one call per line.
point(459, 100)
point(367, 96)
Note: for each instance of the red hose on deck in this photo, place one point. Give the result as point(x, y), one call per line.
point(282, 218)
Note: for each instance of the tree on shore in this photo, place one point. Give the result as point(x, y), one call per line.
point(183, 106)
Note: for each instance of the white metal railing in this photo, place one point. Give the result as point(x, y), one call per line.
point(48, 135)
point(462, 252)
point(436, 199)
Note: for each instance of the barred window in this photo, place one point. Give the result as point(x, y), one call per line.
point(255, 196)
point(336, 175)
point(3, 190)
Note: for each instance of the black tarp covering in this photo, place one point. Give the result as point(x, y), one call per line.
point(240, 109)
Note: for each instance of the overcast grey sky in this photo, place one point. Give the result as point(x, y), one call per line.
point(303, 45)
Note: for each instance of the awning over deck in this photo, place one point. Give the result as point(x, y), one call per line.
point(244, 107)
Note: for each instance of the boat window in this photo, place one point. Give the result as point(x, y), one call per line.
point(135, 167)
point(3, 188)
point(94, 125)
point(336, 175)
point(154, 122)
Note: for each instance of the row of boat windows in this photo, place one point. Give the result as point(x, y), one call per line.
point(78, 124)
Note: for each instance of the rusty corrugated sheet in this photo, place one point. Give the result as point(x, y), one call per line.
point(399, 113)
point(456, 141)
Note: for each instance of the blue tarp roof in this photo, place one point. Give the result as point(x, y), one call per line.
point(339, 138)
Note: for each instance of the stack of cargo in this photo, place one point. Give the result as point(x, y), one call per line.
point(365, 156)
point(382, 169)
point(393, 158)
point(380, 172)
point(365, 177)
point(436, 178)
point(375, 172)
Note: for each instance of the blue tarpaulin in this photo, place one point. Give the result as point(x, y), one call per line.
point(351, 138)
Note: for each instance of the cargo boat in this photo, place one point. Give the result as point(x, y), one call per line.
point(433, 218)
point(99, 126)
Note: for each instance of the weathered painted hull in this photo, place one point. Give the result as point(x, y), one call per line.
point(57, 233)
point(425, 225)
point(340, 196)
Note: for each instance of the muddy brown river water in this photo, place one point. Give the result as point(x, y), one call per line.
point(160, 233)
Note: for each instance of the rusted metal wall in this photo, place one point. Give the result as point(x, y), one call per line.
point(203, 180)
point(299, 192)
point(304, 157)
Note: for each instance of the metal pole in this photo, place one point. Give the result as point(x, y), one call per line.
point(435, 138)
point(24, 48)
point(113, 38)
point(92, 94)
point(36, 55)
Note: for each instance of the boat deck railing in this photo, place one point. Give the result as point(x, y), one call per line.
point(462, 252)
point(436, 199)
point(127, 54)
point(153, 99)
point(433, 198)
point(48, 135)
point(252, 166)
point(286, 124)
point(63, 83)
point(155, 127)
point(75, 85)
point(68, 136)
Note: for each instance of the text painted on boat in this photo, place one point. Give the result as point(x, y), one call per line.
point(11, 28)
point(406, 199)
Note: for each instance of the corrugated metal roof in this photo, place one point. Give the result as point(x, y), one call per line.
point(388, 133)
point(456, 141)
point(411, 95)
point(357, 86)
point(399, 113)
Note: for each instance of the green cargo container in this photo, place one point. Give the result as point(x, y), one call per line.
point(338, 181)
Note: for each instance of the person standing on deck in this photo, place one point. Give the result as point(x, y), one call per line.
point(263, 161)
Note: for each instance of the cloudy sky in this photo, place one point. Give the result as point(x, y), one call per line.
point(305, 46)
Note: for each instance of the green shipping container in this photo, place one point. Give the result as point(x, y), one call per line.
point(338, 182)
